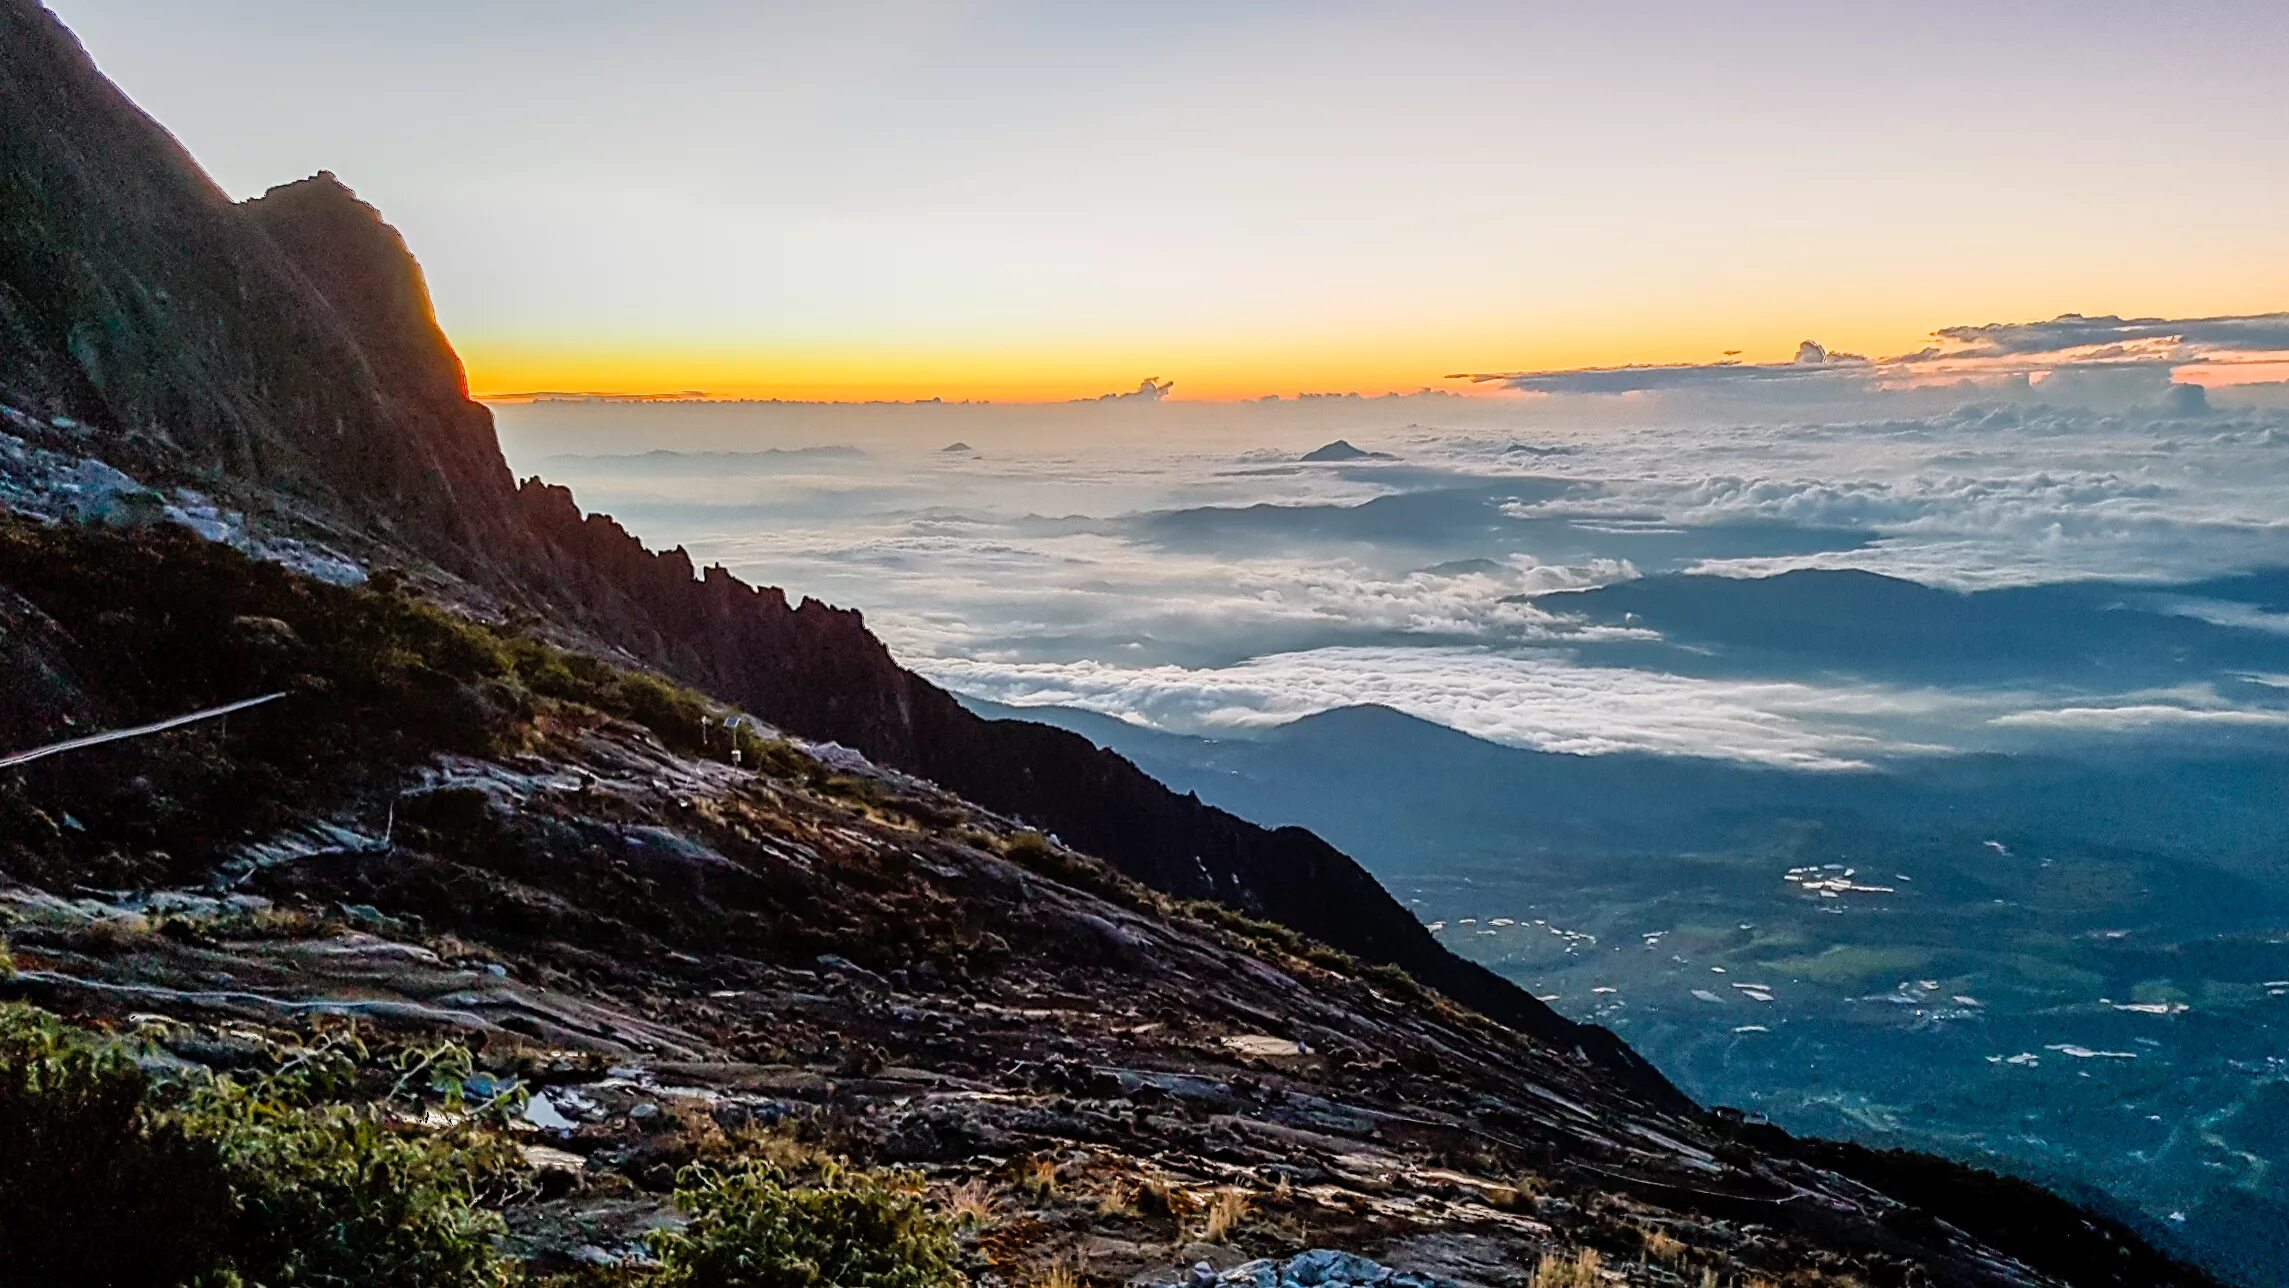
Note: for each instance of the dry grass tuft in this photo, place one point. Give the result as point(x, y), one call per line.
point(1580, 1270)
point(1659, 1245)
point(1118, 1200)
point(1061, 1273)
point(971, 1203)
point(1521, 1195)
point(1225, 1212)
point(1039, 1177)
point(105, 936)
point(1158, 1196)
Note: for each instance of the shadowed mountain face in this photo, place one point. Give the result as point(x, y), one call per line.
point(2050, 962)
point(282, 353)
point(134, 292)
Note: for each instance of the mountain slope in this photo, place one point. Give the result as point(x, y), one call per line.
point(466, 841)
point(287, 346)
point(461, 830)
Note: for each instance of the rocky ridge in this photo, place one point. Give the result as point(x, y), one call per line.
point(280, 357)
point(675, 952)
point(470, 835)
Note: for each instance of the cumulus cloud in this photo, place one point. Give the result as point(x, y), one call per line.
point(1150, 389)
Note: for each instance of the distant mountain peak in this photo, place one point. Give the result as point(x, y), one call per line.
point(1342, 450)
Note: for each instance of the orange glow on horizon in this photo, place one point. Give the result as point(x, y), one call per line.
point(1242, 369)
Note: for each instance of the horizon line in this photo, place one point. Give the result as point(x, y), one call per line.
point(700, 397)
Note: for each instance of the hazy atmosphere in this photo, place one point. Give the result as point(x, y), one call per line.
point(1010, 645)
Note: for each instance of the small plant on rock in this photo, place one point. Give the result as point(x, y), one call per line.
point(1039, 1177)
point(751, 1227)
point(971, 1203)
point(1581, 1269)
point(1225, 1213)
point(1660, 1245)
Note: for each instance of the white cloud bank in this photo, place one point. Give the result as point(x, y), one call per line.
point(1545, 702)
point(2140, 716)
point(1020, 575)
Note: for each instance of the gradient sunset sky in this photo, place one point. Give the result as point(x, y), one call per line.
point(1035, 201)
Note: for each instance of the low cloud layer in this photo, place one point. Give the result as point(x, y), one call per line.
point(1541, 701)
point(2139, 716)
point(1210, 581)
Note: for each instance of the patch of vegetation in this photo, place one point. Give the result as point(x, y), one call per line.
point(1582, 1268)
point(95, 1187)
point(327, 1166)
point(107, 1176)
point(1395, 978)
point(1040, 854)
point(970, 1205)
point(1521, 1195)
point(1660, 1245)
point(1225, 1212)
point(772, 757)
point(1037, 1176)
point(342, 1194)
point(1276, 940)
point(750, 1226)
point(1268, 934)
point(160, 622)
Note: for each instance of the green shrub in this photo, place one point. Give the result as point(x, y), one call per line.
point(751, 1227)
point(1266, 934)
point(94, 1187)
point(107, 1178)
point(1389, 976)
point(337, 1194)
point(772, 757)
point(669, 710)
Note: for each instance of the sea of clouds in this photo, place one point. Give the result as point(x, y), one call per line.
point(1180, 566)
